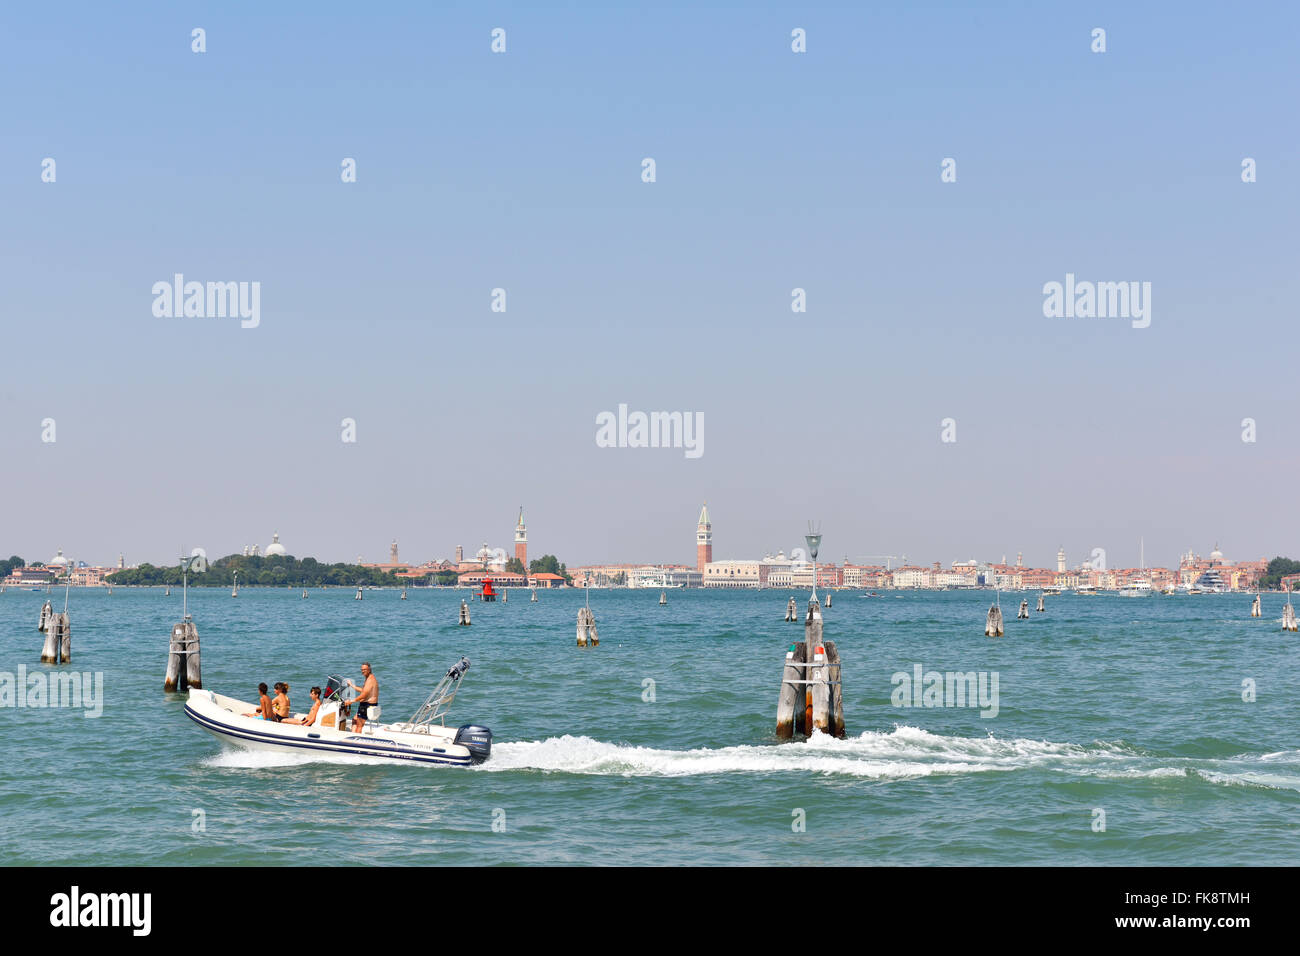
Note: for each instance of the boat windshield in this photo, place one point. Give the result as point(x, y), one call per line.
point(439, 701)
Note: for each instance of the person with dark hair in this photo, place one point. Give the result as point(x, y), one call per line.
point(263, 705)
point(311, 714)
point(281, 706)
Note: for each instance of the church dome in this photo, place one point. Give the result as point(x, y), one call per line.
point(275, 547)
point(1216, 554)
point(59, 560)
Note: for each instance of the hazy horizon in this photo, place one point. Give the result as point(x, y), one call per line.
point(775, 171)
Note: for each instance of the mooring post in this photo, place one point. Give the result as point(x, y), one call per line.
point(821, 690)
point(50, 647)
point(464, 612)
point(587, 636)
point(792, 610)
point(792, 678)
point(993, 623)
point(63, 629)
point(812, 640)
point(837, 689)
point(171, 681)
point(193, 669)
point(184, 667)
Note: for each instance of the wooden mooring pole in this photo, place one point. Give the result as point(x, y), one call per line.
point(183, 663)
point(587, 636)
point(464, 613)
point(811, 696)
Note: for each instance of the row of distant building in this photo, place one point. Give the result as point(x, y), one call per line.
point(1212, 573)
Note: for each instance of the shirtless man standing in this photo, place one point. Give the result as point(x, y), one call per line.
point(368, 697)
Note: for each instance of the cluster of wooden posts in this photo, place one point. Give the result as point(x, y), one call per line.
point(993, 623)
point(183, 664)
point(812, 694)
point(587, 636)
point(58, 635)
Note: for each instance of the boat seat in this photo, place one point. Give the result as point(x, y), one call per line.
point(372, 718)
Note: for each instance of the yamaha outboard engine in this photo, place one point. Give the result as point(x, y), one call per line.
point(477, 740)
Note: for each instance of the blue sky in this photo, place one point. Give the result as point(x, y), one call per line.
point(774, 171)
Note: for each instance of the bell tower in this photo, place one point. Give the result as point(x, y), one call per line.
point(703, 539)
point(521, 540)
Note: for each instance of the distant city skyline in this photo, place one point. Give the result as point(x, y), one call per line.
point(702, 539)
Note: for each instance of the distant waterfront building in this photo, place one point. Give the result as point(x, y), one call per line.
point(703, 541)
point(664, 576)
point(521, 540)
point(29, 577)
point(912, 577)
point(275, 548)
point(731, 574)
point(460, 555)
point(392, 553)
point(121, 561)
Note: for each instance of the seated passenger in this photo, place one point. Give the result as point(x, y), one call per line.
point(280, 705)
point(264, 704)
point(311, 714)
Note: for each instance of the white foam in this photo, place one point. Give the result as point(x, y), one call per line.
point(241, 759)
point(904, 752)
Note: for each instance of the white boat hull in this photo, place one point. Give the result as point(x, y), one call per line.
point(224, 718)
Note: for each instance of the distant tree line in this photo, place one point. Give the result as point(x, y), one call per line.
point(9, 564)
point(261, 571)
point(549, 564)
point(1278, 568)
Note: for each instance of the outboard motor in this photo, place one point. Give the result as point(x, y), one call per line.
point(477, 740)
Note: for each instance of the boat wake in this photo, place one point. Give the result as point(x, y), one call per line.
point(904, 753)
point(232, 758)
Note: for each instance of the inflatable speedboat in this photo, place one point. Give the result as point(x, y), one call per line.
point(423, 739)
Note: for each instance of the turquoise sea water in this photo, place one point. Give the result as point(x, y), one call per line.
point(1130, 706)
